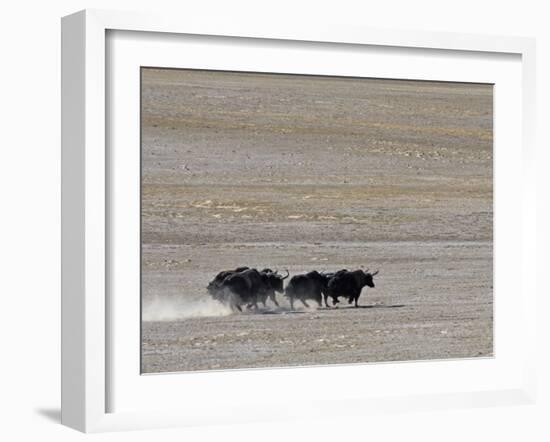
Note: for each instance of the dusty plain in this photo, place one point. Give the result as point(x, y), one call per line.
point(302, 173)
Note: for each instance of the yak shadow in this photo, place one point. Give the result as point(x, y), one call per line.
point(347, 307)
point(282, 312)
point(287, 311)
point(278, 311)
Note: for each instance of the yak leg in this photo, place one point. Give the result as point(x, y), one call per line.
point(291, 299)
point(273, 298)
point(326, 300)
point(233, 302)
point(252, 305)
point(304, 302)
point(318, 297)
point(261, 298)
point(356, 299)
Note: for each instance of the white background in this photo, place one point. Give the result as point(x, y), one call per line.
point(30, 208)
point(300, 388)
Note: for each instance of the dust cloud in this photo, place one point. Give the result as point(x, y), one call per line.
point(161, 308)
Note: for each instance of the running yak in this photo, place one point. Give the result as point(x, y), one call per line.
point(308, 286)
point(273, 283)
point(214, 286)
point(349, 284)
point(245, 286)
point(311, 286)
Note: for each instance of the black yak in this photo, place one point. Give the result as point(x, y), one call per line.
point(214, 285)
point(307, 286)
point(273, 283)
point(240, 288)
point(245, 286)
point(329, 276)
point(349, 284)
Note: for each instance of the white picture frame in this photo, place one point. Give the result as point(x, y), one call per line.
point(87, 314)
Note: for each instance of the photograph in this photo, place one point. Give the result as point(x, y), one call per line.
point(291, 220)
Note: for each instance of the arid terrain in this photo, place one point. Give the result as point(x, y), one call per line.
point(302, 173)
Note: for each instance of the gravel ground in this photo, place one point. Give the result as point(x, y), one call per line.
point(302, 173)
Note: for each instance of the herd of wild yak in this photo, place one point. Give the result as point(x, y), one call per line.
point(246, 286)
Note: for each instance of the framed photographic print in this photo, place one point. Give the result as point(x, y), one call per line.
point(261, 223)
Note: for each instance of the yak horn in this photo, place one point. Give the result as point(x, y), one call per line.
point(287, 274)
point(375, 273)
